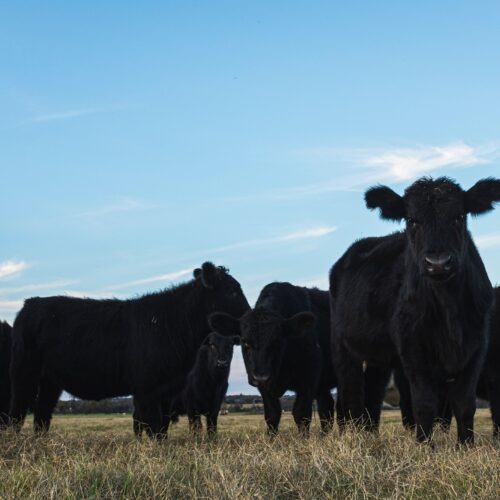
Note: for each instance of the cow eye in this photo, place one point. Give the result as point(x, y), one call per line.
point(412, 223)
point(246, 345)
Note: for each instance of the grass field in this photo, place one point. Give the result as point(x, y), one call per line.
point(97, 457)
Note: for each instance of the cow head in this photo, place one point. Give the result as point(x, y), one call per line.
point(221, 291)
point(219, 353)
point(436, 219)
point(263, 338)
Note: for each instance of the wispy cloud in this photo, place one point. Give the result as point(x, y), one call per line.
point(153, 279)
point(10, 306)
point(10, 267)
point(313, 232)
point(372, 165)
point(57, 286)
point(124, 204)
point(405, 164)
point(72, 114)
point(491, 240)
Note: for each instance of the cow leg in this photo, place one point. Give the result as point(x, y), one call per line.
point(195, 425)
point(25, 374)
point(326, 410)
point(148, 417)
point(48, 396)
point(494, 396)
point(376, 380)
point(405, 404)
point(272, 412)
point(302, 412)
point(138, 425)
point(350, 388)
point(212, 424)
point(445, 414)
point(425, 406)
point(463, 403)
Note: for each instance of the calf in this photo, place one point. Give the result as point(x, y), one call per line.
point(97, 349)
point(206, 384)
point(420, 298)
point(285, 347)
point(5, 346)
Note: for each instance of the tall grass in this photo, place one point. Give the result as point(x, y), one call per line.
point(97, 457)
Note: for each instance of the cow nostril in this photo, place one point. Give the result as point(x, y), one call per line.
point(439, 260)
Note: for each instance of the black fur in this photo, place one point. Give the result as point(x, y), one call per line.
point(489, 381)
point(285, 347)
point(421, 298)
point(97, 349)
point(488, 387)
point(5, 346)
point(206, 384)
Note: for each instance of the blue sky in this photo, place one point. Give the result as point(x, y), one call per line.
point(139, 139)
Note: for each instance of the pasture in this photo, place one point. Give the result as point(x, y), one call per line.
point(96, 456)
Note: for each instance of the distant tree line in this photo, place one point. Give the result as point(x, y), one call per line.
point(240, 403)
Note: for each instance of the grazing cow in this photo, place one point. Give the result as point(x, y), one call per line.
point(285, 344)
point(206, 383)
point(421, 298)
point(488, 387)
point(5, 345)
point(97, 349)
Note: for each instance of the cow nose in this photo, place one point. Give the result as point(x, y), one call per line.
point(438, 263)
point(222, 363)
point(261, 378)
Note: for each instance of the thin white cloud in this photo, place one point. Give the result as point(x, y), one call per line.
point(313, 232)
point(486, 241)
point(153, 279)
point(72, 114)
point(11, 305)
point(10, 267)
point(126, 204)
point(407, 163)
point(372, 165)
point(35, 287)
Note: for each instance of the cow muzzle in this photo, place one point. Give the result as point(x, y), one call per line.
point(439, 266)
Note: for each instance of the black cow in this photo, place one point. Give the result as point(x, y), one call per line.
point(488, 386)
point(489, 381)
point(97, 349)
point(206, 383)
point(420, 297)
point(285, 344)
point(5, 345)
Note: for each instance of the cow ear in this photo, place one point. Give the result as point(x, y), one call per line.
point(391, 205)
point(197, 273)
point(236, 340)
point(481, 197)
point(224, 323)
point(207, 273)
point(300, 322)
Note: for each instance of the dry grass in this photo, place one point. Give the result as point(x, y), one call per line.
point(97, 457)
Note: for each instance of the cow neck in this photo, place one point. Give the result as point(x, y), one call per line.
point(441, 307)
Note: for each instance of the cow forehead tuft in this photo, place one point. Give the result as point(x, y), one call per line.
point(427, 187)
